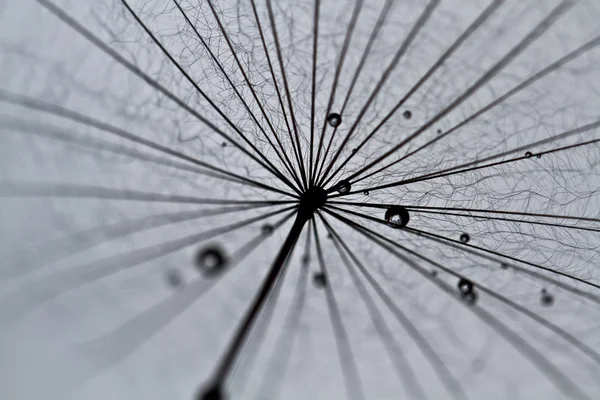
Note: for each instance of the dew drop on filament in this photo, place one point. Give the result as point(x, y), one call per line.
point(465, 285)
point(210, 261)
point(343, 187)
point(546, 298)
point(464, 238)
point(267, 229)
point(397, 217)
point(319, 280)
point(334, 120)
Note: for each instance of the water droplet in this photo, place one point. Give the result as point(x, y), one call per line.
point(528, 154)
point(538, 156)
point(407, 114)
point(174, 278)
point(267, 229)
point(319, 279)
point(439, 131)
point(464, 238)
point(224, 144)
point(210, 261)
point(504, 266)
point(354, 151)
point(465, 285)
point(397, 216)
point(334, 120)
point(366, 192)
point(546, 299)
point(343, 187)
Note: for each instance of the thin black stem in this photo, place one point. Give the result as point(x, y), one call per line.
point(118, 344)
point(352, 382)
point(412, 34)
point(529, 39)
point(284, 159)
point(409, 207)
point(280, 357)
point(287, 91)
point(485, 14)
point(240, 336)
point(257, 335)
point(267, 164)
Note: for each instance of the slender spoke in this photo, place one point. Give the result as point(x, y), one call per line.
point(444, 211)
point(554, 375)
point(284, 345)
point(540, 29)
point(23, 261)
point(436, 362)
point(447, 241)
point(590, 45)
point(43, 189)
point(354, 389)
point(267, 164)
point(78, 276)
point(468, 167)
point(52, 109)
point(118, 344)
point(342, 58)
point(287, 91)
point(313, 88)
point(284, 159)
point(385, 206)
point(67, 19)
point(274, 78)
point(421, 21)
point(487, 12)
point(215, 386)
point(61, 134)
point(403, 369)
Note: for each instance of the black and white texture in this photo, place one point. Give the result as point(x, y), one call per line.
point(195, 199)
